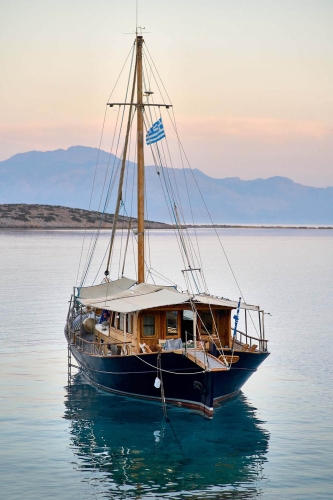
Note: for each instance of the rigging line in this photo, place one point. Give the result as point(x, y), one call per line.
point(121, 236)
point(164, 163)
point(188, 260)
point(115, 157)
point(92, 190)
point(152, 366)
point(147, 240)
point(110, 154)
point(93, 242)
point(99, 150)
point(225, 254)
point(131, 215)
point(190, 245)
point(167, 187)
point(105, 253)
point(92, 248)
point(94, 239)
point(146, 48)
point(132, 201)
point(167, 371)
point(147, 235)
point(96, 234)
point(158, 274)
point(164, 189)
point(146, 265)
point(210, 217)
point(122, 69)
point(124, 196)
point(113, 137)
point(167, 176)
point(133, 250)
point(205, 285)
point(184, 232)
point(123, 228)
point(133, 238)
point(145, 66)
point(197, 257)
point(179, 141)
point(111, 184)
point(126, 245)
point(182, 148)
point(122, 120)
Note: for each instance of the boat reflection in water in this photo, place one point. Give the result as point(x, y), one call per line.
point(126, 449)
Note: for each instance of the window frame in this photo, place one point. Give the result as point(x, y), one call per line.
point(143, 326)
point(176, 334)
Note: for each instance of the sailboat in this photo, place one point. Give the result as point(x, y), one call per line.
point(160, 342)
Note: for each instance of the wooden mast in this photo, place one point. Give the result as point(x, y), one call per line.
point(141, 171)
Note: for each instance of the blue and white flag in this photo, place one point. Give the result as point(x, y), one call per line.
point(155, 133)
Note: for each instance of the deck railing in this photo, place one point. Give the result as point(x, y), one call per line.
point(245, 338)
point(99, 348)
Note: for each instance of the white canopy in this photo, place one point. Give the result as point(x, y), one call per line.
point(216, 301)
point(106, 290)
point(145, 296)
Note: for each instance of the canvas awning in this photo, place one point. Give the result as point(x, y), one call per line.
point(106, 290)
point(146, 296)
point(142, 296)
point(216, 301)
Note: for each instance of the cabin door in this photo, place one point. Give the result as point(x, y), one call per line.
point(187, 325)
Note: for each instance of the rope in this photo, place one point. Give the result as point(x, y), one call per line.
point(98, 155)
point(149, 364)
point(112, 178)
point(159, 371)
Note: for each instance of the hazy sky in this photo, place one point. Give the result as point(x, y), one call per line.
point(251, 81)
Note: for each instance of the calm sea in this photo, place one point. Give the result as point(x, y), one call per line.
point(273, 441)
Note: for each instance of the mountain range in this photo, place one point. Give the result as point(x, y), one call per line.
point(66, 177)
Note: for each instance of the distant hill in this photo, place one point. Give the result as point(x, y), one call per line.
point(53, 217)
point(65, 177)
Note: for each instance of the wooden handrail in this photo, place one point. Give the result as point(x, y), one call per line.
point(250, 337)
point(117, 342)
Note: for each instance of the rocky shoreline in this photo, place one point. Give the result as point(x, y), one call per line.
point(33, 216)
point(24, 216)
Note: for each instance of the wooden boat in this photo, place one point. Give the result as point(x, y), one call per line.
point(159, 342)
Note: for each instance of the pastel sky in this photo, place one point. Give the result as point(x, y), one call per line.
point(251, 81)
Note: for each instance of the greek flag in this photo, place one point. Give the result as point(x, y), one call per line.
point(155, 133)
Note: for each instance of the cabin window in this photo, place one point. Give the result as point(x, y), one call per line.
point(115, 320)
point(172, 324)
point(148, 325)
point(206, 322)
point(121, 321)
point(129, 323)
point(111, 320)
point(188, 315)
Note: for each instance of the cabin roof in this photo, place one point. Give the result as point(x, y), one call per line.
point(122, 296)
point(106, 290)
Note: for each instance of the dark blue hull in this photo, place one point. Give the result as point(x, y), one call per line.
point(185, 383)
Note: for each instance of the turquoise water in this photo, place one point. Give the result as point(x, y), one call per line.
point(273, 441)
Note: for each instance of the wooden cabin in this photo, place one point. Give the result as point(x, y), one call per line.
point(143, 317)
